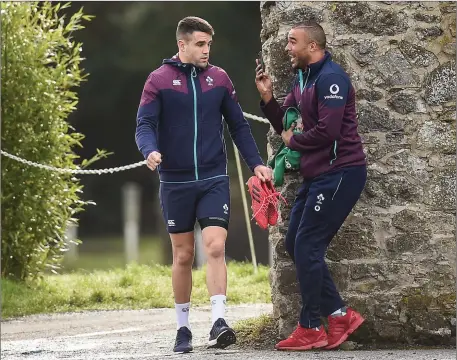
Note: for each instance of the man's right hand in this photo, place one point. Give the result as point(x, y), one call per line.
point(263, 83)
point(154, 159)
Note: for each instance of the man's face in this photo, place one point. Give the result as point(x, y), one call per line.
point(196, 48)
point(300, 48)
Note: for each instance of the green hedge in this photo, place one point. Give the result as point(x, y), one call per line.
point(40, 72)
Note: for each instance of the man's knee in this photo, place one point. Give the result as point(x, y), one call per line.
point(214, 242)
point(183, 256)
point(183, 248)
point(215, 248)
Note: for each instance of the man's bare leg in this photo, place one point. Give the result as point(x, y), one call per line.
point(181, 274)
point(214, 238)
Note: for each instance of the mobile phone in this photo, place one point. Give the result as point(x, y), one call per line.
point(260, 57)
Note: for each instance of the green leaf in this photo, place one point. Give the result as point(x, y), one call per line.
point(41, 69)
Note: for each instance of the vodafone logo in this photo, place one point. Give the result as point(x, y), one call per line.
point(334, 89)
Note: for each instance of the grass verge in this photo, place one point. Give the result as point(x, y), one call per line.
point(133, 287)
point(257, 333)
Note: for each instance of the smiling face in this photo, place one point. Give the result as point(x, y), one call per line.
point(195, 48)
point(299, 48)
point(305, 45)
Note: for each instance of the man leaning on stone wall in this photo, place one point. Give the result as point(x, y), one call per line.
point(334, 171)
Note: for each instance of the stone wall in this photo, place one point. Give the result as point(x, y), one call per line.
point(394, 259)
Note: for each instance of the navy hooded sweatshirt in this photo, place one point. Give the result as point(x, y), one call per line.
point(181, 115)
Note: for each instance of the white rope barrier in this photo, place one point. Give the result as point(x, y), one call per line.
point(256, 118)
point(101, 171)
point(73, 171)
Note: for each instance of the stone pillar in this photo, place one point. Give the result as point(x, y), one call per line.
point(394, 259)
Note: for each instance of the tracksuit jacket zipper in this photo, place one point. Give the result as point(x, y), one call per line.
point(193, 75)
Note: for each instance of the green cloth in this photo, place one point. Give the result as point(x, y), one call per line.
point(284, 157)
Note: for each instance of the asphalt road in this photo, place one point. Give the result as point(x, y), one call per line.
point(149, 334)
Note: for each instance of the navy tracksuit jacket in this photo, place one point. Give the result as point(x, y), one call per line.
point(181, 115)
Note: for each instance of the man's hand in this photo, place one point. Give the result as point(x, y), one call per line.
point(154, 159)
point(263, 83)
point(263, 173)
point(287, 135)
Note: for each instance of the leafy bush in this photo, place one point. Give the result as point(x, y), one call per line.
point(40, 71)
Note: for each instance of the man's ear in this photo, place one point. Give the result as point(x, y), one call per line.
point(181, 44)
point(314, 46)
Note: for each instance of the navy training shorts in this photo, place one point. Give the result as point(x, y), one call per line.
point(207, 201)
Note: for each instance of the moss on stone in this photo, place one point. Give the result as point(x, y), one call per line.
point(419, 301)
point(260, 332)
point(445, 39)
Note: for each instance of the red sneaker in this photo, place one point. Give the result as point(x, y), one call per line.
point(259, 201)
point(304, 339)
point(340, 327)
point(273, 197)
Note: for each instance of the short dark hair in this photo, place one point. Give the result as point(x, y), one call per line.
point(190, 24)
point(314, 31)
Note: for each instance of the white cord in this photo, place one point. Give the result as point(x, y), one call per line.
point(101, 171)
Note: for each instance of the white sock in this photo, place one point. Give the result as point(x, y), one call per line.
point(182, 315)
point(337, 312)
point(341, 312)
point(218, 307)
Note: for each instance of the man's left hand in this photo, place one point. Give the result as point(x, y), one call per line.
point(263, 173)
point(287, 135)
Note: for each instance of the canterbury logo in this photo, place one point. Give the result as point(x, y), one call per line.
point(213, 302)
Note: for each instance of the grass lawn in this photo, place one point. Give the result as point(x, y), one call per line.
point(136, 286)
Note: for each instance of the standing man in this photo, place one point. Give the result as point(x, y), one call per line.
point(333, 166)
point(180, 132)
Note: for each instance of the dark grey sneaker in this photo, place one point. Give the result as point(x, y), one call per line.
point(221, 335)
point(183, 342)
